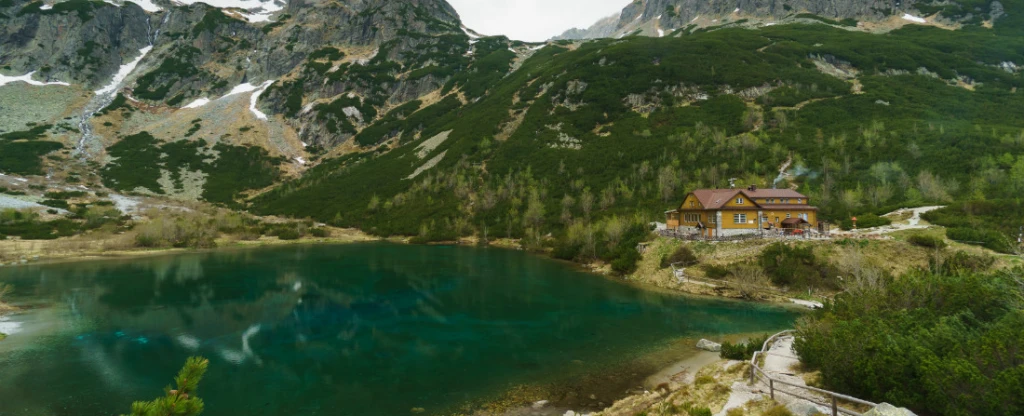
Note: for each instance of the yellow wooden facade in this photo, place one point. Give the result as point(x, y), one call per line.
point(741, 212)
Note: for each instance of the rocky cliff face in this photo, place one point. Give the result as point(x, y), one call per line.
point(297, 79)
point(667, 15)
point(333, 66)
point(78, 42)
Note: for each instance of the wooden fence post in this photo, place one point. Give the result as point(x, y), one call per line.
point(771, 387)
point(835, 407)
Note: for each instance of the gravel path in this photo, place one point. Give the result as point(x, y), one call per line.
point(913, 223)
point(778, 363)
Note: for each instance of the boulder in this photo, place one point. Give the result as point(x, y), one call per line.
point(540, 404)
point(886, 409)
point(709, 345)
point(802, 408)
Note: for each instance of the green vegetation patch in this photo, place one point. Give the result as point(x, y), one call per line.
point(140, 159)
point(25, 158)
point(156, 84)
point(33, 133)
point(924, 341)
point(82, 8)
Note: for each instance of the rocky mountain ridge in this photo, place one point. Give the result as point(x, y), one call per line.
point(394, 118)
point(660, 17)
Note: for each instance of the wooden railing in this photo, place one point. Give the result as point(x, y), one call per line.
point(834, 397)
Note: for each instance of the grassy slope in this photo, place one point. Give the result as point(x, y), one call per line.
point(841, 138)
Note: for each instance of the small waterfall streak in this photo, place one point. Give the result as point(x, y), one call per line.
point(106, 95)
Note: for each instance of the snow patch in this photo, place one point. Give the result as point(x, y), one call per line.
point(255, 97)
point(470, 34)
point(300, 160)
point(27, 78)
point(241, 89)
point(147, 5)
point(661, 33)
point(695, 19)
point(538, 47)
point(46, 7)
point(123, 72)
point(197, 103)
point(912, 18)
point(737, 10)
point(659, 17)
point(264, 9)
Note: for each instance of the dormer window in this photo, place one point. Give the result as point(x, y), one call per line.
point(799, 201)
point(739, 201)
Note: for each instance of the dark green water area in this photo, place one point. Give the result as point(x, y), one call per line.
point(363, 329)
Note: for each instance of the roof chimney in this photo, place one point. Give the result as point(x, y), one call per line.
point(752, 188)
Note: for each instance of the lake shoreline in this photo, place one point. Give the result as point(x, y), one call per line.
point(356, 236)
point(587, 389)
point(673, 365)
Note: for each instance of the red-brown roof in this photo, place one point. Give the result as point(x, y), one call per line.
point(788, 207)
point(716, 198)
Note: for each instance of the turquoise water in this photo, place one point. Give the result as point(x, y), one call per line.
point(368, 329)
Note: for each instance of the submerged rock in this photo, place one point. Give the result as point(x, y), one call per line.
point(709, 345)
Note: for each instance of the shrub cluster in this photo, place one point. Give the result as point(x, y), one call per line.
point(742, 350)
point(990, 239)
point(683, 256)
point(927, 241)
point(936, 343)
point(796, 266)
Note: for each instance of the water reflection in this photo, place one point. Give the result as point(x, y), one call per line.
point(364, 329)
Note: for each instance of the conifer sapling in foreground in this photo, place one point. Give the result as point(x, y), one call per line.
point(181, 401)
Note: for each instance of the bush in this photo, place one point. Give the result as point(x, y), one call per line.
point(683, 255)
point(743, 350)
point(928, 241)
point(778, 410)
point(935, 343)
point(320, 232)
point(699, 411)
point(716, 272)
point(56, 203)
point(961, 262)
point(990, 239)
point(796, 265)
point(288, 234)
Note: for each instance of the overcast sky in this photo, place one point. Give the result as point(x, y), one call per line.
point(533, 20)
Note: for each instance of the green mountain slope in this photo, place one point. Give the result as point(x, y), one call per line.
point(614, 127)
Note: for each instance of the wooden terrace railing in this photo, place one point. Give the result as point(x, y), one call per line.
point(756, 371)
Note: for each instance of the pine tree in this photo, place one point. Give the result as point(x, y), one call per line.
point(180, 401)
